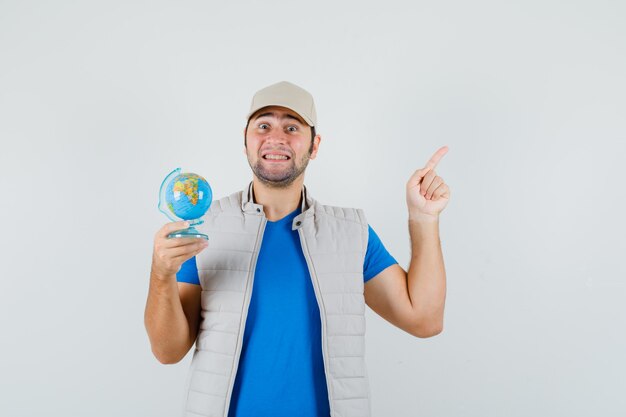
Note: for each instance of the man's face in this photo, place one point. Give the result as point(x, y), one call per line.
point(279, 145)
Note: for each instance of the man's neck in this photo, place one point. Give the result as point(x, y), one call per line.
point(277, 202)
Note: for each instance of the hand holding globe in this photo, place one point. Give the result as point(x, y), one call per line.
point(170, 253)
point(184, 198)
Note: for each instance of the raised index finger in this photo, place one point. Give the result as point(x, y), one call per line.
point(434, 160)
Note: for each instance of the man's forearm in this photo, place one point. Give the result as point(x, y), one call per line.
point(165, 321)
point(427, 275)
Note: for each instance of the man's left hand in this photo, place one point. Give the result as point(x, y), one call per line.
point(426, 193)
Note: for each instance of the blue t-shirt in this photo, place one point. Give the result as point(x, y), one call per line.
point(281, 368)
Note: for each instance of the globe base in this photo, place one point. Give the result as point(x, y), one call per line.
point(189, 232)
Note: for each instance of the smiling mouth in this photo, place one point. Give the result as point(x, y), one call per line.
point(276, 157)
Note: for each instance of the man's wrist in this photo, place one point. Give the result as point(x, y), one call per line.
point(423, 218)
point(161, 276)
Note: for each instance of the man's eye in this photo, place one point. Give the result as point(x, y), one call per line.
point(263, 124)
point(293, 127)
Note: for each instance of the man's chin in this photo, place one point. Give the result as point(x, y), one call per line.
point(276, 179)
point(281, 182)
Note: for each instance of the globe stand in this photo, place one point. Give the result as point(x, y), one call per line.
point(189, 232)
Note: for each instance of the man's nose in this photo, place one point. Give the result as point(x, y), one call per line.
point(277, 137)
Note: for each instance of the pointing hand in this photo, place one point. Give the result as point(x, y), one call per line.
point(426, 193)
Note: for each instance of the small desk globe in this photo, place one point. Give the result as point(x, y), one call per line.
point(185, 196)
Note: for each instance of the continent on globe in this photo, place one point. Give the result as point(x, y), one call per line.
point(189, 187)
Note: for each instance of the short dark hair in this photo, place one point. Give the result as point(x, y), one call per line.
point(245, 134)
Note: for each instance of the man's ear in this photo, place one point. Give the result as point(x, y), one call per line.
point(316, 144)
point(244, 139)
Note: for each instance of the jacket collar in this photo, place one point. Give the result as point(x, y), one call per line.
point(249, 206)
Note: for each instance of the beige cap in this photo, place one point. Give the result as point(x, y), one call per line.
point(286, 94)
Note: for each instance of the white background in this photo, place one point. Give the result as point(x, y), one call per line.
point(100, 100)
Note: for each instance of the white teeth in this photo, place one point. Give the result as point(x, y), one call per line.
point(275, 157)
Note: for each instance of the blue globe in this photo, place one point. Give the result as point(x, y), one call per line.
point(188, 196)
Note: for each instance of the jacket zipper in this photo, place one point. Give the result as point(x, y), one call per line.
point(242, 327)
point(315, 282)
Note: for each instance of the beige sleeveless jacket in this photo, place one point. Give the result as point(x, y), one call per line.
point(334, 242)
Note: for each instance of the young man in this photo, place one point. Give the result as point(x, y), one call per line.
point(275, 302)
